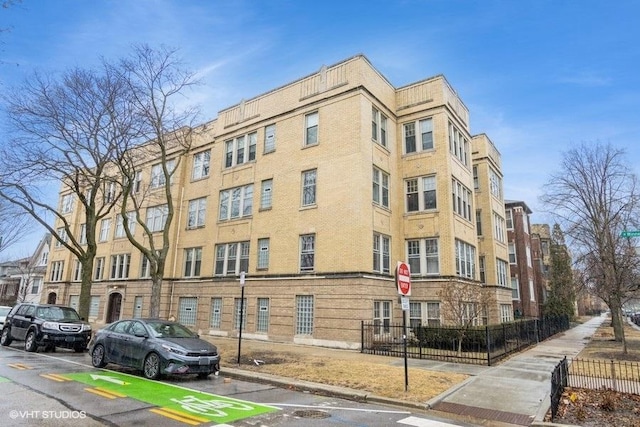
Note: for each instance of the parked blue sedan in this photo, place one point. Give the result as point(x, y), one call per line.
point(155, 347)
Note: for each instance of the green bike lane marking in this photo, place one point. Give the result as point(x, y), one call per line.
point(4, 380)
point(212, 407)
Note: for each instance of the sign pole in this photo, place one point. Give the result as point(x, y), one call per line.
point(403, 283)
point(242, 274)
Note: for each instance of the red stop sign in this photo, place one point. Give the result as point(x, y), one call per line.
point(403, 278)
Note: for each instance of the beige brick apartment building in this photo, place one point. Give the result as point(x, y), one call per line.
point(316, 190)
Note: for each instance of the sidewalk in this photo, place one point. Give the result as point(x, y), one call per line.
point(516, 392)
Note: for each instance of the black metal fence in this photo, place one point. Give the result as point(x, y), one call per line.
point(616, 375)
point(482, 345)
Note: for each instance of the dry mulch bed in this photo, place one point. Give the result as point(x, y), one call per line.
point(598, 408)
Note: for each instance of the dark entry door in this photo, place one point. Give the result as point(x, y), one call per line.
point(51, 298)
point(115, 302)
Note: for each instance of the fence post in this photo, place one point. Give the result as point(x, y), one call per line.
point(488, 338)
point(613, 376)
point(362, 336)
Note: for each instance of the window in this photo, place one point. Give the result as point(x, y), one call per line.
point(378, 127)
point(381, 317)
point(197, 213)
point(505, 313)
point(120, 266)
point(512, 253)
point(131, 218)
point(380, 188)
point(57, 268)
point(263, 254)
point(481, 268)
point(465, 259)
point(495, 184)
point(236, 203)
point(415, 315)
point(429, 311)
point(83, 234)
point(232, 258)
point(425, 127)
point(240, 150)
point(458, 145)
point(77, 271)
point(67, 203)
point(307, 252)
point(201, 165)
point(157, 217)
point(240, 313)
point(499, 228)
point(470, 313)
point(509, 219)
point(423, 257)
point(381, 253)
point(216, 313)
point(105, 226)
point(192, 262)
point(158, 178)
point(269, 138)
point(528, 253)
point(137, 183)
point(99, 268)
point(109, 192)
point(479, 222)
point(304, 314)
point(515, 289)
point(74, 301)
point(137, 307)
point(187, 310)
point(311, 129)
point(502, 269)
point(35, 286)
point(62, 236)
point(309, 187)
point(476, 179)
point(427, 187)
point(461, 200)
point(94, 306)
point(145, 267)
point(262, 316)
point(265, 194)
point(532, 292)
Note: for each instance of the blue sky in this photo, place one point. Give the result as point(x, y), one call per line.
point(537, 76)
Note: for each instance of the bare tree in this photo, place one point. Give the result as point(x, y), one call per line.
point(14, 225)
point(157, 81)
point(595, 198)
point(67, 131)
point(464, 303)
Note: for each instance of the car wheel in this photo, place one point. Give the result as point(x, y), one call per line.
point(97, 357)
point(151, 368)
point(203, 375)
point(5, 338)
point(30, 343)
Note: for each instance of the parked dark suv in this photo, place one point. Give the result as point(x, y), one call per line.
point(45, 325)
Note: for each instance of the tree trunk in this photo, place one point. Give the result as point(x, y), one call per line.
point(156, 292)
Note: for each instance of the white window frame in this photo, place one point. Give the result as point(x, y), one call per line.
point(67, 204)
point(381, 253)
point(495, 184)
point(262, 315)
point(423, 260)
point(158, 179)
point(196, 216)
point(515, 289)
point(231, 258)
point(119, 231)
point(201, 165)
point(266, 194)
point(382, 315)
point(192, 262)
point(502, 272)
point(513, 259)
point(215, 321)
point(120, 264)
point(307, 253)
point(304, 315)
point(458, 144)
point(462, 200)
point(420, 187)
point(57, 270)
point(105, 228)
point(269, 138)
point(263, 254)
point(309, 187)
point(236, 203)
point(378, 127)
point(77, 271)
point(465, 259)
point(240, 150)
point(499, 228)
point(157, 217)
point(99, 264)
point(311, 129)
point(380, 187)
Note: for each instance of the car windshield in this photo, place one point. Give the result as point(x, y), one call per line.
point(4, 311)
point(170, 330)
point(57, 313)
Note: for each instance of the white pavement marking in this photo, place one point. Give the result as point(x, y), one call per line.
point(422, 422)
point(293, 405)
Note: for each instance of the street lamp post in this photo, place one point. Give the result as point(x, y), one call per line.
point(242, 274)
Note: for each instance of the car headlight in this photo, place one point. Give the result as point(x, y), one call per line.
point(86, 328)
point(50, 325)
point(174, 350)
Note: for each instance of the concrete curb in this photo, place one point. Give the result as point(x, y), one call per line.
point(442, 396)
